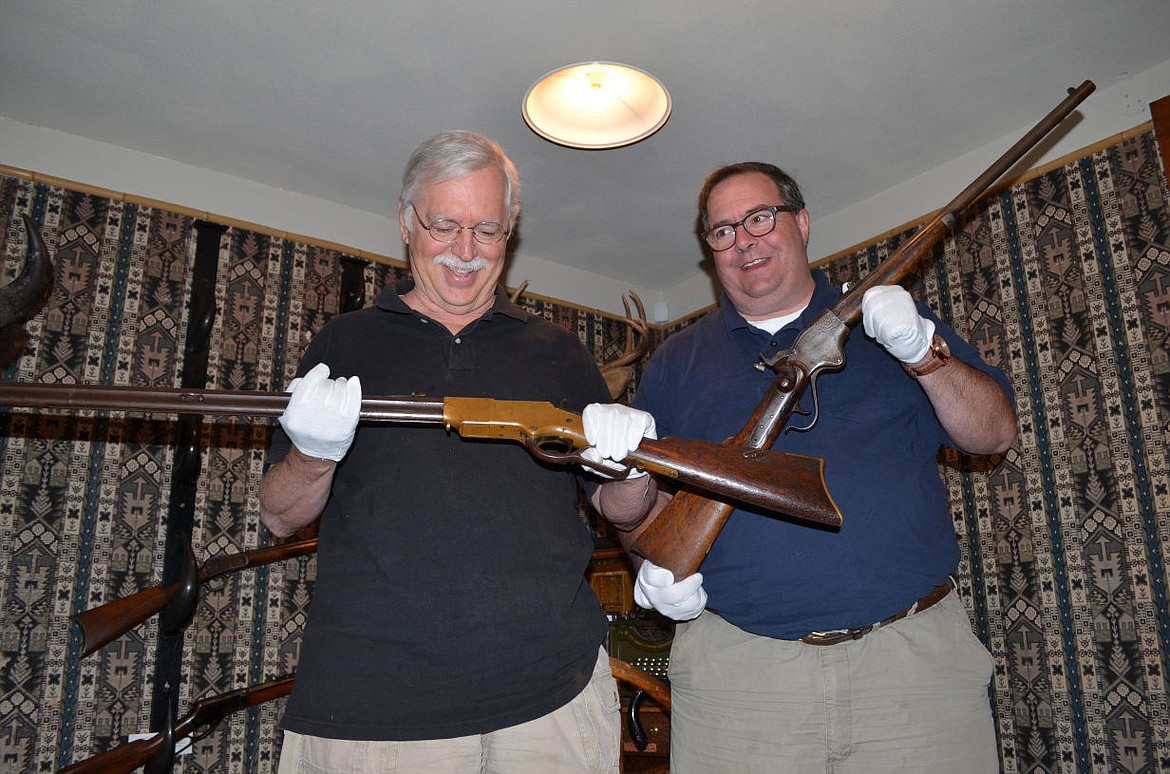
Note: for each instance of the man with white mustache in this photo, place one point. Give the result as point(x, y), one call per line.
point(452, 629)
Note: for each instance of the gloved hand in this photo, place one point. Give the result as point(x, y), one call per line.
point(613, 431)
point(655, 588)
point(890, 316)
point(322, 414)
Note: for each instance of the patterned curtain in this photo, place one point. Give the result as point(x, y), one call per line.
point(1063, 281)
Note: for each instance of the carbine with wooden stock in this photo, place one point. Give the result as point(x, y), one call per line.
point(157, 753)
point(793, 484)
point(682, 533)
point(105, 623)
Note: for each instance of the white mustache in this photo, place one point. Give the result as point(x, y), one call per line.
point(460, 266)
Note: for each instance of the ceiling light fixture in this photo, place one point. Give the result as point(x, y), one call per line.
point(596, 105)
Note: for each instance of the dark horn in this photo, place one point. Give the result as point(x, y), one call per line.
point(20, 298)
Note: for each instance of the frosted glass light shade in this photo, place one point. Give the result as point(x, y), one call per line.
point(596, 105)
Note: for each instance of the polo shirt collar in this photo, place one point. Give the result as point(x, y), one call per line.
point(824, 294)
point(390, 300)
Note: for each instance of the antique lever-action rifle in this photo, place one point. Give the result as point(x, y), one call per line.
point(105, 623)
point(683, 532)
point(157, 752)
point(781, 482)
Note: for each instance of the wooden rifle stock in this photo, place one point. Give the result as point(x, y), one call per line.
point(753, 476)
point(682, 533)
point(105, 623)
point(206, 715)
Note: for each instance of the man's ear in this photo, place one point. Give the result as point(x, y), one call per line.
point(402, 227)
point(802, 223)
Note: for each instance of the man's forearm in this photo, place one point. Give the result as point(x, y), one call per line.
point(973, 408)
point(294, 491)
point(626, 503)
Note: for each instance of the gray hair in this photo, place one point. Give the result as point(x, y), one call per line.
point(452, 154)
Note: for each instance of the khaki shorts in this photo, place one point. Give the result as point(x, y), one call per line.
point(581, 737)
point(908, 697)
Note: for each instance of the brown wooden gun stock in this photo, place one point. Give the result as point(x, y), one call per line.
point(682, 533)
point(206, 715)
point(105, 623)
point(775, 481)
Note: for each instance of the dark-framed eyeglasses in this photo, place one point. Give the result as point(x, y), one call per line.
point(758, 223)
point(486, 232)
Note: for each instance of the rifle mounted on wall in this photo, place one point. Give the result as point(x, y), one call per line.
point(105, 623)
point(157, 753)
point(680, 536)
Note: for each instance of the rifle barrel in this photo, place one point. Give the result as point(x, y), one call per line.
point(181, 400)
point(902, 262)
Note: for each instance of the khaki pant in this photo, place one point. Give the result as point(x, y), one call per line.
point(910, 697)
point(581, 737)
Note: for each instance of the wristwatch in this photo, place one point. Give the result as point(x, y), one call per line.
point(941, 355)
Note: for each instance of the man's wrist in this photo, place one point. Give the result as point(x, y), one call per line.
point(937, 356)
point(308, 461)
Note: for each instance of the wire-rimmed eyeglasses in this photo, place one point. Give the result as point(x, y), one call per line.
point(758, 223)
point(486, 232)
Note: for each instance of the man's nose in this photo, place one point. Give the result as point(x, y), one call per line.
point(464, 244)
point(743, 239)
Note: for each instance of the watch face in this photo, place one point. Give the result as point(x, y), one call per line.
point(939, 345)
point(941, 354)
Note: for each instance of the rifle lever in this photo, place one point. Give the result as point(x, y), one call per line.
point(565, 458)
point(178, 611)
point(163, 760)
point(816, 412)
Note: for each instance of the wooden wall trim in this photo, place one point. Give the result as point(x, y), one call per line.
point(1160, 112)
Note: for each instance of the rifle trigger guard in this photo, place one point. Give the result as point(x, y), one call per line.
point(816, 410)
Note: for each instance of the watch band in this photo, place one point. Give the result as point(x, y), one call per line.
point(940, 356)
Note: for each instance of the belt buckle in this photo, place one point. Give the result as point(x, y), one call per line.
point(833, 638)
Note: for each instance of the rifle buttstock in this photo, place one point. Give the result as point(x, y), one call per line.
point(105, 623)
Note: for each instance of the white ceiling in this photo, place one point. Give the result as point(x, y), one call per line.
point(329, 98)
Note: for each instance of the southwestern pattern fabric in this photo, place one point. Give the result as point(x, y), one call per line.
point(1063, 281)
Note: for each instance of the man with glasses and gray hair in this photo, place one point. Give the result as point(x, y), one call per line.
point(805, 649)
point(452, 629)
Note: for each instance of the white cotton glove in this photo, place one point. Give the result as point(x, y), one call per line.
point(890, 316)
point(655, 588)
point(322, 414)
point(613, 431)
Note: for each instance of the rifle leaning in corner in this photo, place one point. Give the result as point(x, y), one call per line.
point(105, 623)
point(157, 753)
point(792, 484)
point(683, 532)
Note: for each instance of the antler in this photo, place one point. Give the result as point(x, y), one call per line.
point(21, 297)
point(514, 296)
point(618, 373)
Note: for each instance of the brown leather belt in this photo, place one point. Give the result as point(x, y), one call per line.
point(845, 635)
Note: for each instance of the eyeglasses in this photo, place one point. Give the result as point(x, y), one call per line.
point(486, 232)
point(758, 223)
